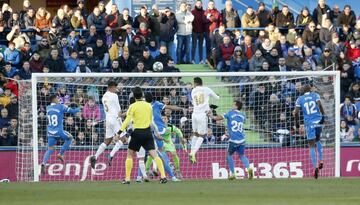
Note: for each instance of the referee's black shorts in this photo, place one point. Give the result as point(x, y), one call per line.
point(141, 138)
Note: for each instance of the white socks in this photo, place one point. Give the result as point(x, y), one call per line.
point(116, 148)
point(142, 167)
point(100, 150)
point(198, 143)
point(193, 142)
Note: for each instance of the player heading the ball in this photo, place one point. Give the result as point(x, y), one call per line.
point(200, 99)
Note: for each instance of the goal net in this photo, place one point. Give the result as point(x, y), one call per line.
point(274, 148)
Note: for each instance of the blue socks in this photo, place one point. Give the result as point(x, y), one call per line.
point(166, 161)
point(231, 164)
point(319, 150)
point(65, 146)
point(245, 161)
point(313, 156)
point(47, 155)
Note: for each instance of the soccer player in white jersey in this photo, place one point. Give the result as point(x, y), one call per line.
point(200, 99)
point(113, 122)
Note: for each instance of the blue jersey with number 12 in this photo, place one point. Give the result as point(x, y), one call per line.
point(55, 116)
point(308, 104)
point(235, 123)
point(157, 108)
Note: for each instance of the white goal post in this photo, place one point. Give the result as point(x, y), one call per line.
point(273, 153)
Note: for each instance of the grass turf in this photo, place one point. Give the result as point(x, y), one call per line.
point(286, 191)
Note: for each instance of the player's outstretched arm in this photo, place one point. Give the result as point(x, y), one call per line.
point(174, 107)
point(73, 110)
point(296, 116)
point(217, 117)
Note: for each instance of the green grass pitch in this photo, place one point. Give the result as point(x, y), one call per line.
point(217, 192)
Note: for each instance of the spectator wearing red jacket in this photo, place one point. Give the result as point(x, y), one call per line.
point(226, 51)
point(213, 21)
point(353, 52)
point(198, 31)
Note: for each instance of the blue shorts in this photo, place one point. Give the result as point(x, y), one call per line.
point(53, 138)
point(312, 131)
point(160, 143)
point(239, 148)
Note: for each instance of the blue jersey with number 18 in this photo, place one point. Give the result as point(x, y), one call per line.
point(235, 123)
point(55, 116)
point(308, 104)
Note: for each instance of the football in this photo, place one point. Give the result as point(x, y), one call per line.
point(158, 67)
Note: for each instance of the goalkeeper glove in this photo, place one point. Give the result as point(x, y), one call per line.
point(322, 120)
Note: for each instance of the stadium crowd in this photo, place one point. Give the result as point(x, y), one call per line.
point(75, 40)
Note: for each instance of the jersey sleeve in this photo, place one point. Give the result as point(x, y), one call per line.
point(225, 115)
point(317, 97)
point(67, 109)
point(161, 105)
point(297, 103)
point(212, 93)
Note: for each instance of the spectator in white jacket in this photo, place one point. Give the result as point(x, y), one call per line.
point(184, 19)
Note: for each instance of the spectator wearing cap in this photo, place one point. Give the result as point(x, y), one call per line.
point(116, 49)
point(326, 32)
point(96, 19)
point(304, 18)
point(285, 18)
point(353, 52)
point(62, 22)
point(198, 31)
point(92, 61)
point(25, 72)
point(282, 45)
point(229, 16)
point(114, 18)
point(184, 19)
point(263, 15)
point(77, 20)
point(82, 68)
point(293, 62)
point(81, 7)
point(250, 20)
point(147, 59)
point(322, 12)
point(213, 21)
point(168, 29)
point(126, 62)
point(335, 45)
point(54, 62)
point(72, 62)
point(226, 51)
point(347, 16)
point(238, 62)
point(36, 63)
point(136, 47)
point(327, 58)
point(11, 55)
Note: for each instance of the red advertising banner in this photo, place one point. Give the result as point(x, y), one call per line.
point(350, 161)
point(7, 165)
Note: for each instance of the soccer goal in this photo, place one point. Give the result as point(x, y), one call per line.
point(274, 148)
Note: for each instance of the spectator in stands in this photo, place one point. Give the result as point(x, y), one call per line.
point(326, 32)
point(43, 48)
point(347, 17)
point(143, 17)
point(250, 20)
point(229, 16)
point(356, 33)
point(256, 61)
point(184, 19)
point(310, 58)
point(115, 66)
point(53, 36)
point(42, 21)
point(153, 48)
point(263, 15)
point(311, 37)
point(17, 37)
point(273, 33)
point(101, 53)
point(226, 51)
point(168, 29)
point(335, 45)
point(321, 13)
point(11, 55)
point(198, 31)
point(347, 78)
point(25, 53)
point(304, 18)
point(348, 111)
point(5, 140)
point(163, 56)
point(293, 62)
point(96, 19)
point(346, 132)
point(25, 72)
point(139, 67)
point(116, 50)
point(14, 20)
point(28, 20)
point(238, 62)
point(212, 22)
point(114, 18)
point(61, 22)
point(91, 61)
point(292, 35)
point(4, 118)
point(285, 18)
point(54, 62)
point(127, 63)
point(25, 9)
point(354, 92)
point(273, 59)
point(72, 62)
point(125, 22)
point(147, 59)
point(12, 130)
point(91, 110)
point(36, 63)
point(13, 106)
point(77, 20)
point(345, 34)
point(283, 46)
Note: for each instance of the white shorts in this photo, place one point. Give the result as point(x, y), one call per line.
point(112, 127)
point(200, 123)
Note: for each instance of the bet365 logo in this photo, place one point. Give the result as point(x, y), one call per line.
point(263, 171)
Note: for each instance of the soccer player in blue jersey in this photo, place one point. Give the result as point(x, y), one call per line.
point(235, 126)
point(314, 116)
point(55, 131)
point(157, 108)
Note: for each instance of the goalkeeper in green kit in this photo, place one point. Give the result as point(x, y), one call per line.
point(169, 146)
